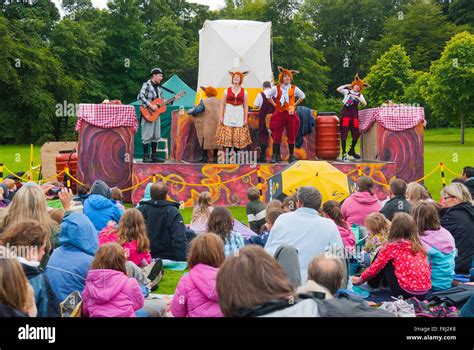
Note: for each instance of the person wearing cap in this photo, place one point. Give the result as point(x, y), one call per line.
point(350, 114)
point(151, 131)
point(287, 97)
point(265, 108)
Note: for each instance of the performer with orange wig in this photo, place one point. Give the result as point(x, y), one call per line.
point(350, 114)
point(233, 130)
point(284, 117)
point(206, 119)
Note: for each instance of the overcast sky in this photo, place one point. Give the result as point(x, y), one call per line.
point(213, 4)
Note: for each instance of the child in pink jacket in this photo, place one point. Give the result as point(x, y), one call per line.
point(362, 203)
point(131, 235)
point(196, 293)
point(109, 292)
point(332, 210)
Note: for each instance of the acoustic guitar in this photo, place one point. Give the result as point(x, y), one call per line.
point(150, 115)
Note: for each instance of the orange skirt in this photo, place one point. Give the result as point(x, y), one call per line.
point(229, 136)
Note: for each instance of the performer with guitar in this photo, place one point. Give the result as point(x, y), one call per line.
point(150, 97)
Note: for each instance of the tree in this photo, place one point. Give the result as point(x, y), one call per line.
point(452, 78)
point(165, 46)
point(416, 94)
point(422, 30)
point(123, 67)
point(461, 12)
point(389, 76)
point(344, 32)
point(80, 50)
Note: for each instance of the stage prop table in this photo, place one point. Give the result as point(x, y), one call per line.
point(395, 134)
point(105, 148)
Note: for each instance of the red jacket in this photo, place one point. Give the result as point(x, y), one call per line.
point(411, 269)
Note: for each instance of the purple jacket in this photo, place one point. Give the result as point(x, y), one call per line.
point(196, 294)
point(358, 206)
point(110, 293)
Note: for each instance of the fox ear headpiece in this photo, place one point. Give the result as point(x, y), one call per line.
point(240, 74)
point(209, 91)
point(358, 81)
point(284, 72)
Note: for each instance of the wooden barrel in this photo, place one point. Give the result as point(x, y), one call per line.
point(328, 136)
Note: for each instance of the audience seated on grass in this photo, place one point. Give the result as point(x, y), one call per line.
point(401, 263)
point(82, 193)
point(362, 203)
point(325, 275)
point(270, 218)
point(99, 207)
point(378, 227)
point(67, 268)
point(165, 225)
point(108, 291)
point(398, 202)
point(332, 210)
point(289, 203)
point(196, 294)
point(253, 284)
point(30, 240)
point(30, 203)
point(221, 222)
point(468, 176)
point(3, 195)
point(201, 212)
point(304, 229)
point(438, 243)
point(416, 192)
point(274, 204)
point(117, 196)
point(131, 234)
point(255, 210)
point(17, 297)
point(457, 216)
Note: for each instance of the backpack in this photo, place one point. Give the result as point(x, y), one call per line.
point(72, 305)
point(343, 307)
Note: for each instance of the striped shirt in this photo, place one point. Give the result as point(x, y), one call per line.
point(233, 243)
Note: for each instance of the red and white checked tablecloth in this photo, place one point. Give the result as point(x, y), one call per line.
point(107, 115)
point(395, 118)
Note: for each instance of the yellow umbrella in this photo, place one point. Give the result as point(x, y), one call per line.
point(330, 181)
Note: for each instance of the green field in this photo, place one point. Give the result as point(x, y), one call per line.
point(441, 145)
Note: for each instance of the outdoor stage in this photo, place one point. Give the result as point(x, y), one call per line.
point(106, 149)
point(228, 183)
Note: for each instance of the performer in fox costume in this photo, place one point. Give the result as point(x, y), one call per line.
point(287, 96)
point(350, 114)
point(233, 130)
point(206, 119)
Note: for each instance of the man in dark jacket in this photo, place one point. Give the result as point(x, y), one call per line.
point(468, 175)
point(398, 202)
point(459, 221)
point(165, 225)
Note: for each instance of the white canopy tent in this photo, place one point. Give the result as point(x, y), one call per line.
point(233, 45)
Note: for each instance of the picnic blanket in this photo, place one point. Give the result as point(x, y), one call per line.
point(245, 231)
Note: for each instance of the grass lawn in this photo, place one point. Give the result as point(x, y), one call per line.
point(441, 145)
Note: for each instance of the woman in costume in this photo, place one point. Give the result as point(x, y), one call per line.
point(233, 131)
point(350, 114)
